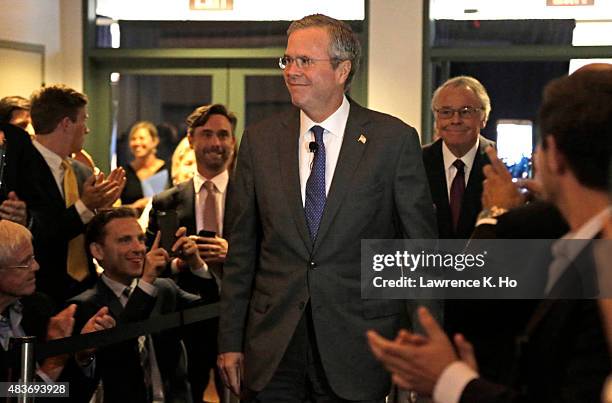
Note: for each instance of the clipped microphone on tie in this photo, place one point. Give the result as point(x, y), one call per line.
point(313, 147)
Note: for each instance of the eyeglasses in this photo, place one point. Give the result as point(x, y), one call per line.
point(301, 62)
point(465, 113)
point(28, 265)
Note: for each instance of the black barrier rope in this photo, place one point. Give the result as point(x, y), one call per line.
point(125, 331)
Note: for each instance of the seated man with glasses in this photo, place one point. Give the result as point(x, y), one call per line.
point(454, 162)
point(26, 313)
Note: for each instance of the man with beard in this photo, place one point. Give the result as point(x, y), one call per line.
point(200, 205)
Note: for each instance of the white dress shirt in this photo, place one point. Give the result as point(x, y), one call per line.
point(449, 169)
point(117, 288)
point(54, 162)
point(332, 138)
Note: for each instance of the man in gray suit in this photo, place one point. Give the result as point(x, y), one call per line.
point(309, 185)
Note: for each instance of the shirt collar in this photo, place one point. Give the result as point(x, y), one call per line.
point(334, 124)
point(10, 325)
point(115, 286)
point(53, 160)
point(14, 310)
point(587, 231)
point(220, 181)
point(592, 227)
point(468, 158)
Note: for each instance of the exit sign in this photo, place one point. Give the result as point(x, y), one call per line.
point(570, 2)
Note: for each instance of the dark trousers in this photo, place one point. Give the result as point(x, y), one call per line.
point(300, 377)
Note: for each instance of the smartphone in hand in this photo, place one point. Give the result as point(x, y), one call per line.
point(515, 146)
point(207, 234)
point(167, 222)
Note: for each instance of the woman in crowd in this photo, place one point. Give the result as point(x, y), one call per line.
point(146, 175)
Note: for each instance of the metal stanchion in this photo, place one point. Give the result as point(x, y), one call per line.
point(24, 365)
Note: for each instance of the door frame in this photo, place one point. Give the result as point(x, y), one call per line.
point(215, 62)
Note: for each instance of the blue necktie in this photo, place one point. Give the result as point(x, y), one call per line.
point(315, 186)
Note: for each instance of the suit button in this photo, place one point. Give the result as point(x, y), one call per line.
point(312, 265)
point(302, 305)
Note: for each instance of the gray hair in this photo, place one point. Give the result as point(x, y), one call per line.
point(12, 237)
point(471, 83)
point(343, 41)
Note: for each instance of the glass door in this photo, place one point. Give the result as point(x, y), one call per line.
point(255, 94)
point(162, 97)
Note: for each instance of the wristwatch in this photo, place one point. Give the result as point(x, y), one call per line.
point(492, 212)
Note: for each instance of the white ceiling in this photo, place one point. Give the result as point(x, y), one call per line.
point(517, 9)
point(243, 10)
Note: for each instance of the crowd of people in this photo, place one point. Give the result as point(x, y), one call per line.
point(277, 241)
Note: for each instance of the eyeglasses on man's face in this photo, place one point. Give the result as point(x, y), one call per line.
point(465, 112)
point(301, 62)
point(27, 264)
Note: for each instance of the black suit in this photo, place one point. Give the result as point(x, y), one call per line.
point(17, 145)
point(37, 310)
point(119, 364)
point(53, 226)
point(562, 354)
point(200, 338)
point(494, 340)
point(275, 275)
point(470, 205)
point(536, 220)
point(559, 351)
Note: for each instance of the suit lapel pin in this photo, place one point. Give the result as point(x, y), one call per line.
point(362, 139)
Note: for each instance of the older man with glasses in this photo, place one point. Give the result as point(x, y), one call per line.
point(309, 186)
point(455, 160)
point(23, 312)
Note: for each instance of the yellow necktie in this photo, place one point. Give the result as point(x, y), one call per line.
point(77, 258)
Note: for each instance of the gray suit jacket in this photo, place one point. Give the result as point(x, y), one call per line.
point(379, 191)
point(119, 364)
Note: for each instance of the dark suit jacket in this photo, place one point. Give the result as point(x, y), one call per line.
point(563, 358)
point(536, 220)
point(274, 270)
point(200, 338)
point(561, 354)
point(119, 364)
point(53, 226)
point(471, 204)
point(494, 340)
point(17, 146)
point(181, 199)
point(37, 310)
